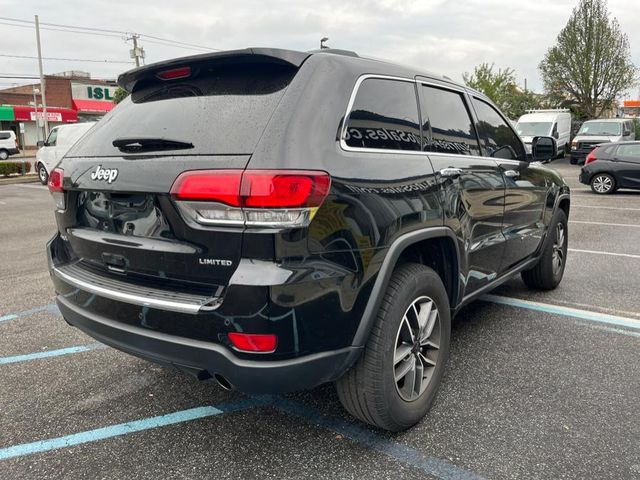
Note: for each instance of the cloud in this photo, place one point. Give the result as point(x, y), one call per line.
point(442, 36)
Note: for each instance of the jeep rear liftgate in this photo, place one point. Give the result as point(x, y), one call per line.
point(122, 223)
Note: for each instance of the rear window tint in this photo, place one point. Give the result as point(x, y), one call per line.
point(220, 110)
point(5, 135)
point(384, 116)
point(448, 127)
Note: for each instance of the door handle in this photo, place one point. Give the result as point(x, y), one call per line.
point(451, 172)
point(511, 173)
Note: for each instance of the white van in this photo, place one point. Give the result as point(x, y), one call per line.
point(8, 144)
point(60, 140)
point(595, 132)
point(548, 123)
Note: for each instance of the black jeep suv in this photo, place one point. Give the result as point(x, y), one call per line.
point(277, 220)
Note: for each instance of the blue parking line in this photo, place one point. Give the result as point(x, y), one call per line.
point(51, 307)
point(50, 353)
point(127, 428)
point(432, 466)
point(564, 311)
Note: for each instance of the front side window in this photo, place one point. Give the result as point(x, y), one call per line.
point(384, 116)
point(448, 127)
point(53, 137)
point(498, 140)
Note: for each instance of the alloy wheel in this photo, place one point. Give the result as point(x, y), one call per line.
point(42, 173)
point(416, 348)
point(557, 258)
point(602, 183)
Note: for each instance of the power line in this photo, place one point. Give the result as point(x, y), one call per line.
point(61, 30)
point(66, 59)
point(104, 32)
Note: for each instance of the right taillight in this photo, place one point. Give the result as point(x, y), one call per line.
point(263, 198)
point(55, 187)
point(591, 157)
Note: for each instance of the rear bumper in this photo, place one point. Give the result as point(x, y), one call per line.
point(584, 176)
point(204, 359)
point(141, 331)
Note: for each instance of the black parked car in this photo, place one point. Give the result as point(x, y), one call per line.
point(277, 220)
point(612, 166)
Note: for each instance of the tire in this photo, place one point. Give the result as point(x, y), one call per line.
point(573, 161)
point(369, 390)
point(567, 149)
point(603, 184)
point(4, 154)
point(547, 273)
point(42, 174)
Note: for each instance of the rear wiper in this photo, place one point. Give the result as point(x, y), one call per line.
point(149, 144)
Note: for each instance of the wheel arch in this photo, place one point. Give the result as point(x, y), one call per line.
point(419, 246)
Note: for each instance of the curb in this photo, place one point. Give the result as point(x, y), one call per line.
point(31, 178)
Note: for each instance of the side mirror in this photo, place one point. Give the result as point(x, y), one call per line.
point(626, 133)
point(543, 149)
point(40, 144)
point(556, 135)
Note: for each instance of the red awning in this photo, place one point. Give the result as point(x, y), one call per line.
point(24, 113)
point(92, 106)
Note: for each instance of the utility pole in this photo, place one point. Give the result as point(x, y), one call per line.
point(137, 53)
point(43, 87)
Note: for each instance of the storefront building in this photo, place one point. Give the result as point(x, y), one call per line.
point(71, 97)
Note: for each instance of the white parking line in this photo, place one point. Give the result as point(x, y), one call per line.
point(605, 208)
point(606, 224)
point(633, 323)
point(598, 252)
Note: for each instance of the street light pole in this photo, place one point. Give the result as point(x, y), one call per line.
point(42, 85)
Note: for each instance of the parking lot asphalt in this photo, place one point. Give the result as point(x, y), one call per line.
point(539, 384)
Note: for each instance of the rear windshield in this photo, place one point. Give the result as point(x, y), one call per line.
point(217, 110)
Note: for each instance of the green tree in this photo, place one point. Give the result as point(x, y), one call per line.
point(501, 87)
point(590, 63)
point(120, 94)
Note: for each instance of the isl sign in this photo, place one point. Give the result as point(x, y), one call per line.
point(84, 91)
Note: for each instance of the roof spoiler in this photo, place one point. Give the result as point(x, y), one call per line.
point(128, 79)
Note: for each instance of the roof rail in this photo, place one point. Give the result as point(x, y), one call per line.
point(548, 110)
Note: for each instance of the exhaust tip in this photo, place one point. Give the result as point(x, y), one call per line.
point(222, 381)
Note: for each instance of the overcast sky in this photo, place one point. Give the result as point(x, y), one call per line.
point(447, 37)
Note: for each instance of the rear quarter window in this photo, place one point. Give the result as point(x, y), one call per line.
point(220, 110)
point(5, 135)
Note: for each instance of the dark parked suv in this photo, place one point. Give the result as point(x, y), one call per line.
point(277, 220)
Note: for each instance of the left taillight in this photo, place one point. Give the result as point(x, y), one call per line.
point(591, 157)
point(55, 187)
point(258, 198)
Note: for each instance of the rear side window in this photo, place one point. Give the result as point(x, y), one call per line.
point(448, 127)
point(219, 109)
point(384, 116)
point(498, 140)
point(630, 152)
point(5, 135)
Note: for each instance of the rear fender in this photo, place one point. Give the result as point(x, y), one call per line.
point(387, 268)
